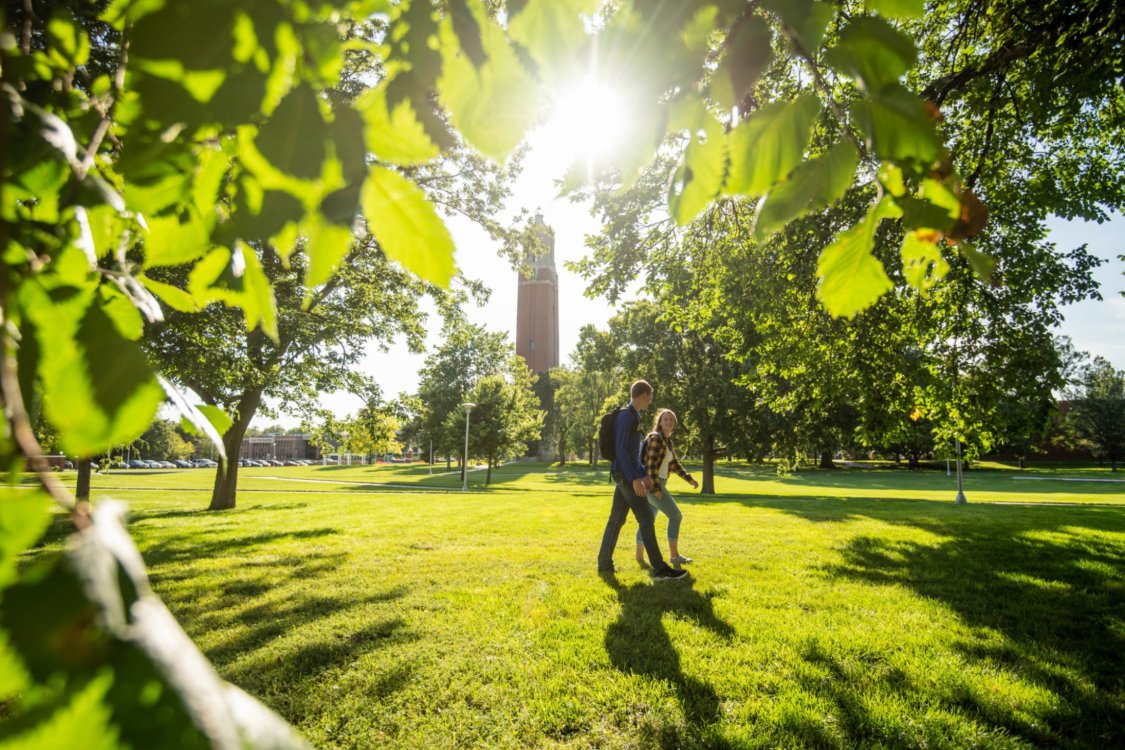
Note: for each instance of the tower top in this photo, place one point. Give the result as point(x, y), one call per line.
point(543, 256)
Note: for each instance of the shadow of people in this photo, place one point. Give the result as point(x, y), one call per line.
point(637, 643)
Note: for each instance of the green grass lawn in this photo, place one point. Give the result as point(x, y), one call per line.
point(852, 608)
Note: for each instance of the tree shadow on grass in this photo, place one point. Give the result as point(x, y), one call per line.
point(138, 516)
point(637, 643)
point(1053, 594)
point(197, 546)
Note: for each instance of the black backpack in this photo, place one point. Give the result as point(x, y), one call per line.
point(607, 438)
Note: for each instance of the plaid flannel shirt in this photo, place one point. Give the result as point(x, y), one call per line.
point(655, 445)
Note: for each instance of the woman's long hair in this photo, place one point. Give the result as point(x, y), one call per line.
point(660, 415)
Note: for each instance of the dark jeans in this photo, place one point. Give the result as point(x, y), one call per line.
point(624, 500)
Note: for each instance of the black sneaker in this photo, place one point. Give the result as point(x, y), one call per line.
point(669, 574)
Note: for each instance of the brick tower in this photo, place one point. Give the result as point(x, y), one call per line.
point(537, 305)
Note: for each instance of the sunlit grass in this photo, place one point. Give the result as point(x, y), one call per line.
point(826, 609)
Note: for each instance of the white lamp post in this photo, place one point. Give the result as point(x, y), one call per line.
point(960, 499)
point(468, 406)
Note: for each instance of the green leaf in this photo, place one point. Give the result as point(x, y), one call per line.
point(80, 717)
point(550, 31)
point(68, 44)
point(217, 417)
point(293, 139)
point(237, 280)
point(406, 226)
point(23, 519)
point(174, 297)
point(815, 184)
point(415, 37)
point(897, 127)
point(326, 243)
point(490, 106)
point(468, 31)
point(770, 144)
point(14, 678)
point(98, 389)
point(121, 310)
point(851, 277)
point(922, 262)
point(936, 207)
point(983, 265)
point(892, 178)
point(700, 178)
point(197, 34)
point(806, 19)
point(176, 238)
point(394, 136)
point(211, 170)
point(897, 8)
point(872, 52)
point(748, 52)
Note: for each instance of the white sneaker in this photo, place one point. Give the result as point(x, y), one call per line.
point(680, 560)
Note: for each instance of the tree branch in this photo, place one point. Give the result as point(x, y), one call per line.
point(29, 446)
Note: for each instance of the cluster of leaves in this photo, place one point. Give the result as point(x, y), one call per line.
point(733, 132)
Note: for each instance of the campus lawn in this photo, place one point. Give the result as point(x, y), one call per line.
point(826, 609)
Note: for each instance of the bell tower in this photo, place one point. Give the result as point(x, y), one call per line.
point(537, 304)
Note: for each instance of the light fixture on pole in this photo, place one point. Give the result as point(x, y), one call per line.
point(468, 407)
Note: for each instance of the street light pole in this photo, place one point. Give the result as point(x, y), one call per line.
point(960, 500)
point(468, 406)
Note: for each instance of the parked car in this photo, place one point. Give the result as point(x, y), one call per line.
point(181, 464)
point(292, 463)
point(119, 465)
point(205, 463)
point(137, 464)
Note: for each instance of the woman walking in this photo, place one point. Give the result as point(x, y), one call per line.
point(659, 457)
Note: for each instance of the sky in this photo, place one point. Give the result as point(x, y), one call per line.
point(1097, 327)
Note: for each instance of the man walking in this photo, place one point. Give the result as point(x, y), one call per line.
point(632, 484)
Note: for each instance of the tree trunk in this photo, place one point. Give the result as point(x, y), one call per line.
point(82, 490)
point(488, 479)
point(826, 460)
point(1021, 461)
point(914, 462)
point(448, 462)
point(593, 454)
point(225, 492)
point(708, 485)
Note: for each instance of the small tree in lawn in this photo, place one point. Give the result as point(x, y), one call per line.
point(1098, 418)
point(374, 430)
point(506, 416)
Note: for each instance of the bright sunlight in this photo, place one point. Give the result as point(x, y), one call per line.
point(589, 121)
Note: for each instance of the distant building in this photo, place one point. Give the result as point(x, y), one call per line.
point(537, 305)
point(279, 448)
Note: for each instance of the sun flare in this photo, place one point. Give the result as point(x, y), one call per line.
point(588, 121)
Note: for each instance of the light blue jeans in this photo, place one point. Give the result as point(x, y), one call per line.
point(665, 503)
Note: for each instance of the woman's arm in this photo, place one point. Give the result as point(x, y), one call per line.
point(675, 466)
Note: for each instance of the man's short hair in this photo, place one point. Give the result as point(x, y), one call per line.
point(640, 388)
